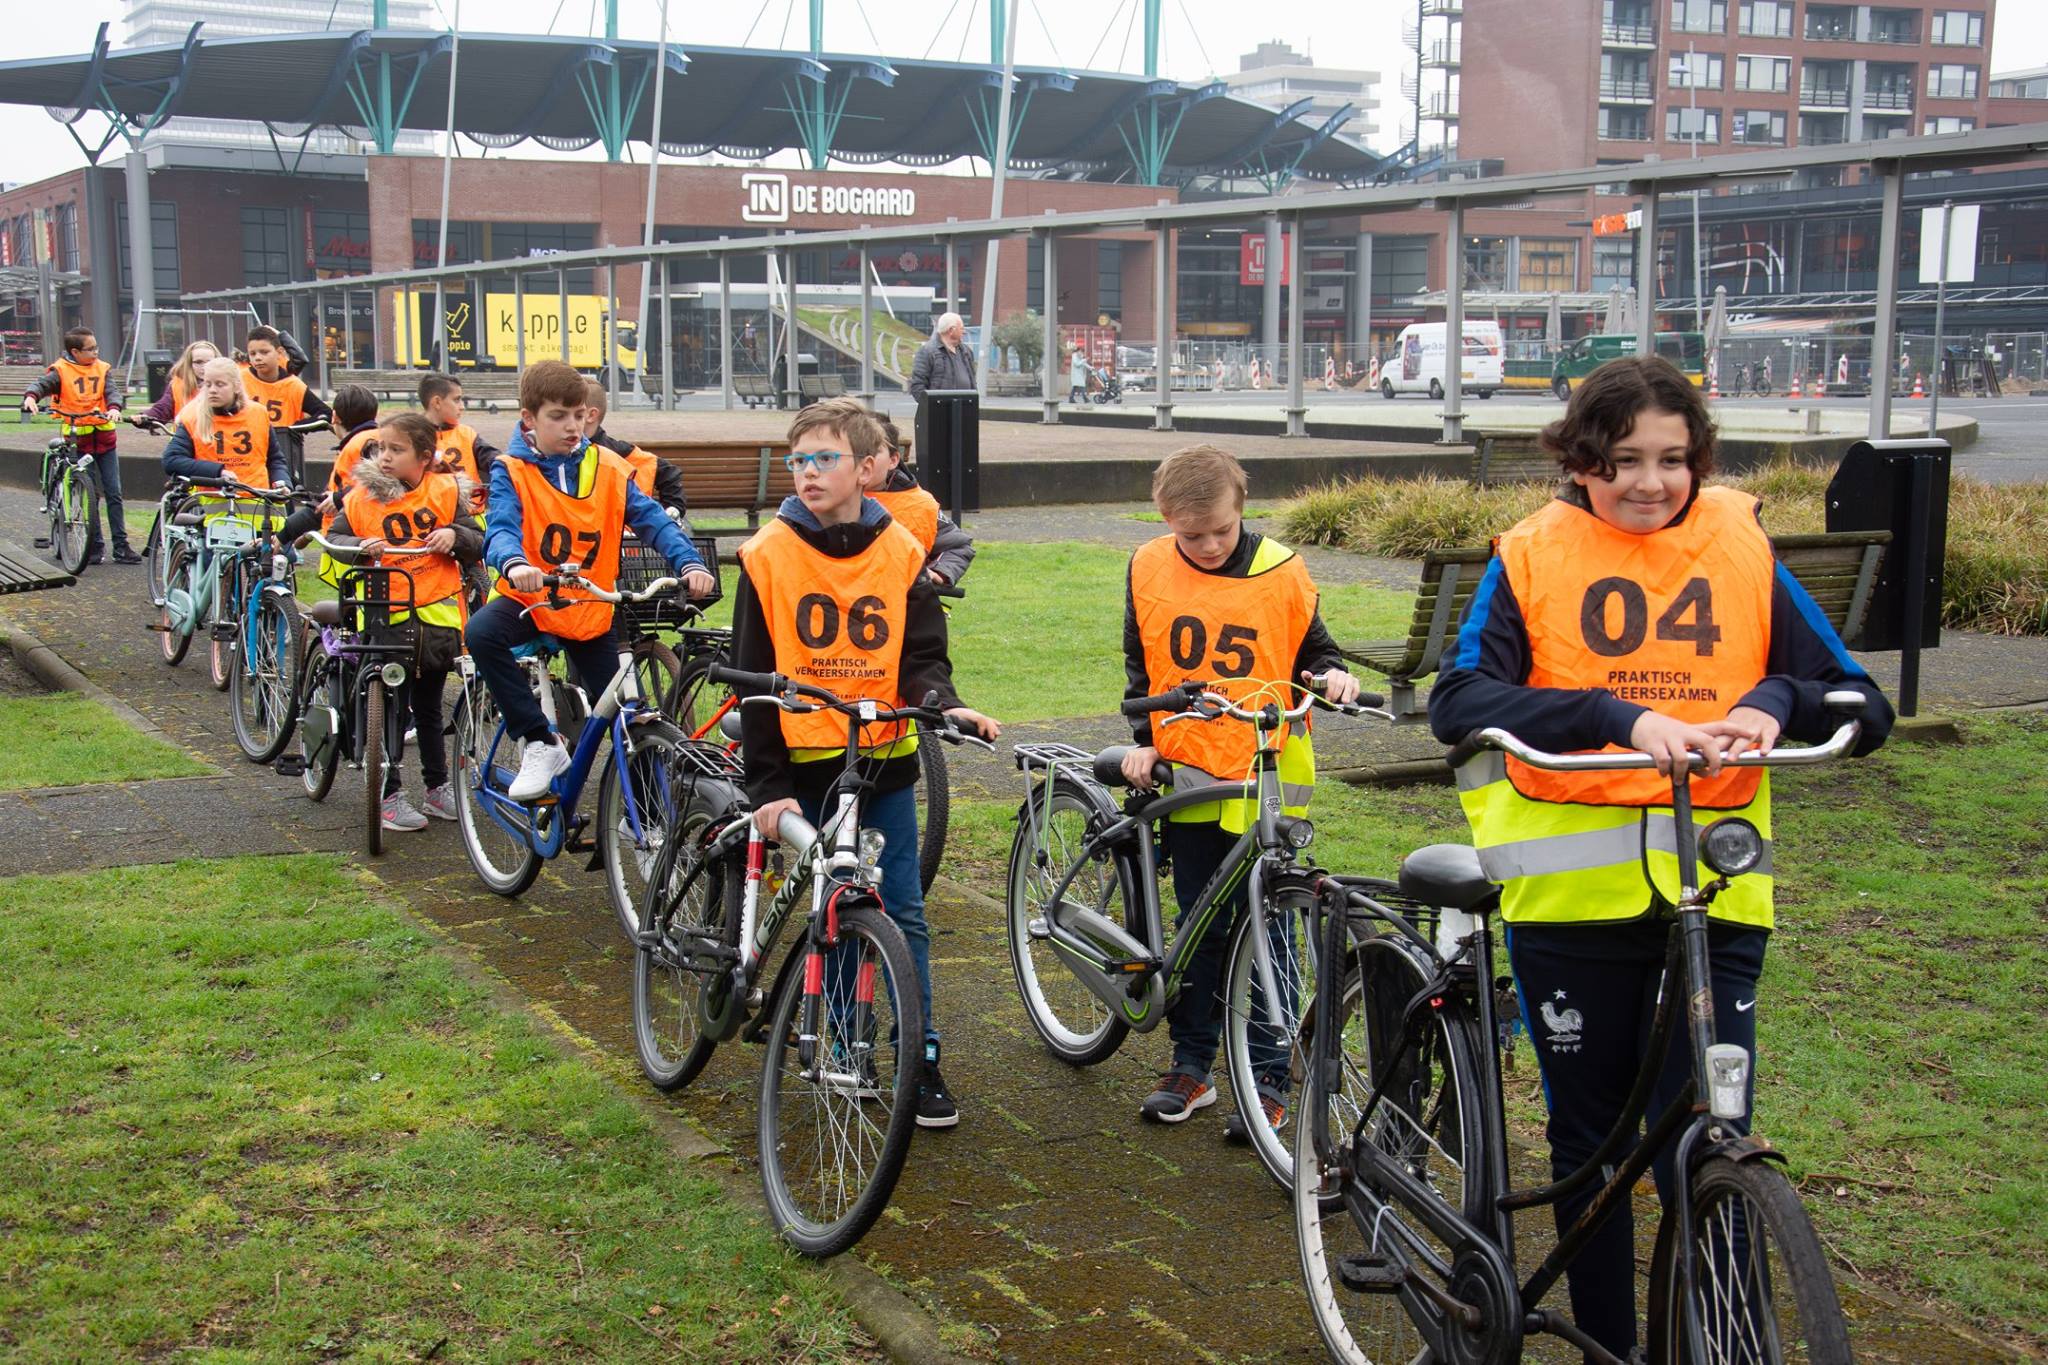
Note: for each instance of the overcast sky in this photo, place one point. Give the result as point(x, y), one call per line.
point(1200, 38)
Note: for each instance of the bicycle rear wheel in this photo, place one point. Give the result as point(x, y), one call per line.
point(504, 862)
point(1760, 1291)
point(698, 903)
point(1076, 1026)
point(373, 766)
point(657, 670)
point(696, 702)
point(1427, 1117)
point(837, 1114)
point(934, 808)
point(153, 558)
point(263, 691)
point(178, 588)
point(229, 601)
point(629, 860)
point(1252, 1046)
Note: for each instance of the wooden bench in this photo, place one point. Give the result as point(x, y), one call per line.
point(25, 571)
point(15, 379)
point(1511, 459)
point(1015, 385)
point(812, 387)
point(755, 389)
point(1836, 568)
point(729, 476)
point(487, 389)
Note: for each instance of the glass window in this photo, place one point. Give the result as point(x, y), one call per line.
point(1766, 18)
point(1548, 265)
point(341, 243)
point(1486, 263)
point(1760, 127)
point(1696, 71)
point(502, 241)
point(1400, 266)
point(1956, 28)
point(266, 246)
point(1699, 16)
point(67, 237)
point(1948, 124)
point(163, 240)
point(1624, 125)
point(1763, 73)
point(1952, 81)
point(1830, 23)
point(1681, 124)
point(1614, 263)
point(1109, 279)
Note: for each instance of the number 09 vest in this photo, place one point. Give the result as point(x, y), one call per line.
point(1677, 621)
point(404, 523)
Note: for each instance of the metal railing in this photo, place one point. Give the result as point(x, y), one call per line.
point(1824, 97)
point(1890, 160)
point(1640, 35)
point(1901, 99)
point(1622, 88)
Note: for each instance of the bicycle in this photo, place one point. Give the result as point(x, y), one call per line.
point(173, 500)
point(203, 541)
point(508, 840)
point(263, 673)
point(828, 1164)
point(1087, 941)
point(705, 710)
point(1402, 1198)
point(365, 644)
point(70, 482)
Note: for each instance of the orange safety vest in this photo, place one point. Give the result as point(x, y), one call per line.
point(240, 441)
point(81, 389)
point(404, 524)
point(836, 623)
point(560, 528)
point(1236, 634)
point(642, 464)
point(916, 511)
point(343, 478)
point(1643, 617)
point(457, 445)
point(284, 397)
point(180, 395)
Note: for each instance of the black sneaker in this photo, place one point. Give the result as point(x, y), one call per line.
point(1176, 1097)
point(124, 555)
point(1235, 1131)
point(935, 1107)
point(95, 556)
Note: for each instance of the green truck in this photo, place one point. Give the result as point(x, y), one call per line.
point(1686, 350)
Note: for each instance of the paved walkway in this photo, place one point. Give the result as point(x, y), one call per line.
point(1051, 1216)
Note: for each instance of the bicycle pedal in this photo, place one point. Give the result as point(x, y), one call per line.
point(1363, 1273)
point(223, 631)
point(291, 765)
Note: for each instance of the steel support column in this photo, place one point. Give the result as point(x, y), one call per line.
point(668, 345)
point(519, 316)
point(1361, 336)
point(867, 327)
point(140, 253)
point(724, 330)
point(1269, 313)
point(789, 331)
point(1454, 327)
point(562, 302)
point(1162, 329)
point(1884, 336)
point(1049, 402)
point(952, 272)
point(1297, 408)
point(1646, 274)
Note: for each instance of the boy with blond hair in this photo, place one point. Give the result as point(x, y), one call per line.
point(829, 540)
point(1213, 602)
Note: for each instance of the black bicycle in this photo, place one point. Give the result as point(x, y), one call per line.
point(1402, 1199)
point(71, 496)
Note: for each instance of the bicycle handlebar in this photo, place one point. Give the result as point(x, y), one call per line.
point(784, 692)
point(949, 590)
point(660, 587)
point(1836, 745)
point(240, 489)
point(1194, 701)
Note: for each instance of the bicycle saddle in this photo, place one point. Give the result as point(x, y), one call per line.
point(324, 613)
point(1109, 769)
point(1448, 876)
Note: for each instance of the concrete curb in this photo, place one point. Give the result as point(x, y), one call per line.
point(55, 672)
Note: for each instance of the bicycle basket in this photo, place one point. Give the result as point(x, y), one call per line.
point(229, 531)
point(232, 524)
point(377, 603)
point(640, 565)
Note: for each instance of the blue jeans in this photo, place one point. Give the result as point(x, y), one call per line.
point(109, 463)
point(894, 814)
point(496, 630)
point(1195, 1020)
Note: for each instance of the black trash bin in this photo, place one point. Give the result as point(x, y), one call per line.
point(156, 368)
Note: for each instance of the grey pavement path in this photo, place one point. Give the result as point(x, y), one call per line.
point(1052, 1216)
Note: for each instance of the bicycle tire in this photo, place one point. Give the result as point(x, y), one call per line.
point(264, 721)
point(1730, 1199)
point(153, 558)
point(177, 578)
point(1243, 1016)
point(665, 992)
point(220, 654)
point(373, 766)
point(934, 809)
point(78, 507)
point(476, 724)
point(319, 670)
point(657, 671)
point(1438, 1076)
point(629, 867)
point(1075, 1026)
point(789, 1098)
point(697, 701)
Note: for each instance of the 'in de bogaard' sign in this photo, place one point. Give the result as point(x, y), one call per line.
point(772, 198)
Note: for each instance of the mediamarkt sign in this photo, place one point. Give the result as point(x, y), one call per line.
point(771, 198)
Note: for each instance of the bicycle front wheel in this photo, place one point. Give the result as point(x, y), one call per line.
point(373, 767)
point(1258, 1052)
point(837, 1113)
point(504, 862)
point(693, 905)
point(263, 689)
point(180, 577)
point(934, 808)
point(696, 702)
point(629, 857)
point(77, 508)
point(153, 558)
point(1051, 831)
point(228, 603)
point(1427, 1119)
point(1759, 1291)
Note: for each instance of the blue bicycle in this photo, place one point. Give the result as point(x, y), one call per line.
point(508, 840)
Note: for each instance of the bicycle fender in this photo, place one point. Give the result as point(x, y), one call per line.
point(1749, 1147)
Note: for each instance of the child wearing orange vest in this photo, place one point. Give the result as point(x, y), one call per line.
point(652, 475)
point(462, 450)
point(77, 388)
point(416, 519)
point(219, 432)
point(948, 550)
point(1213, 602)
point(833, 554)
point(1640, 609)
point(354, 421)
point(272, 379)
point(557, 499)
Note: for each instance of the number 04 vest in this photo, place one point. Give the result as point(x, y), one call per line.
point(1677, 621)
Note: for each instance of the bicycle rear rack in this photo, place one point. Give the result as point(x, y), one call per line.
point(706, 759)
point(1049, 756)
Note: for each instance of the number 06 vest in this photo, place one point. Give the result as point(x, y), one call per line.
point(1677, 621)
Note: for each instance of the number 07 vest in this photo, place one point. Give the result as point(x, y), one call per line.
point(583, 528)
point(1677, 621)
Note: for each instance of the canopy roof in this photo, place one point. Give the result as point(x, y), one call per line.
point(568, 93)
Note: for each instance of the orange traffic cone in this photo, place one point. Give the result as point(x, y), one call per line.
point(1793, 391)
point(1714, 383)
point(1918, 391)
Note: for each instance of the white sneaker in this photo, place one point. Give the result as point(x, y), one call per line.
point(538, 768)
point(398, 814)
point(440, 802)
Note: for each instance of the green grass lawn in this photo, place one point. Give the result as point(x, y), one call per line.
point(65, 738)
point(254, 1114)
point(1904, 1044)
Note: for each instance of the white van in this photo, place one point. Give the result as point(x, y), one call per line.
point(1417, 365)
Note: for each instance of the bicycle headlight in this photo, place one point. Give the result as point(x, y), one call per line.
point(871, 845)
point(1731, 846)
point(394, 674)
point(1298, 832)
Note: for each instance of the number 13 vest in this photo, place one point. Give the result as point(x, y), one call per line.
point(1677, 621)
